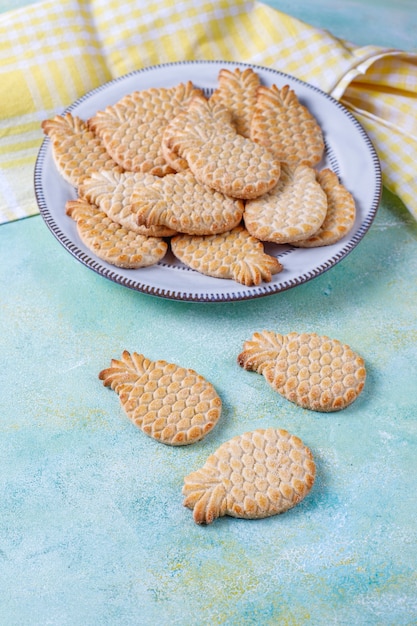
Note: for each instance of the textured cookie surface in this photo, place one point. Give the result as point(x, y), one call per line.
point(237, 91)
point(252, 476)
point(340, 216)
point(312, 371)
point(286, 127)
point(205, 137)
point(113, 191)
point(181, 133)
point(294, 210)
point(172, 404)
point(180, 202)
point(235, 255)
point(111, 242)
point(77, 151)
point(132, 129)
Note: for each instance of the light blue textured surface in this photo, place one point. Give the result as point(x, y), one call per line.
point(92, 527)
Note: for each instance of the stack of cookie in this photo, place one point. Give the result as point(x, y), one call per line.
point(212, 177)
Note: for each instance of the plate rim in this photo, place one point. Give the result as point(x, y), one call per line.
point(238, 294)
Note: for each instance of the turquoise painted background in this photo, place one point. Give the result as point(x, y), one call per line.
point(92, 527)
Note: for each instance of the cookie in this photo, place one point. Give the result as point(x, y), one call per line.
point(77, 151)
point(112, 192)
point(251, 476)
point(205, 137)
point(111, 242)
point(340, 216)
point(237, 91)
point(294, 210)
point(131, 129)
point(286, 127)
point(172, 404)
point(312, 371)
point(180, 202)
point(234, 254)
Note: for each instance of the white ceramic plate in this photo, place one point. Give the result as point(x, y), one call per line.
point(349, 153)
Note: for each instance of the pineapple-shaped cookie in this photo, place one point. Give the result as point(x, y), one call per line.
point(204, 135)
point(292, 211)
point(113, 191)
point(77, 150)
point(254, 475)
point(234, 254)
point(112, 242)
point(286, 127)
point(312, 371)
point(171, 404)
point(132, 128)
point(182, 203)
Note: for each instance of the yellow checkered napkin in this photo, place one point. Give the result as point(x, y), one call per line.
point(53, 52)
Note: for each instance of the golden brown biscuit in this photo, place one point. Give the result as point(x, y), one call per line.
point(113, 193)
point(340, 216)
point(77, 151)
point(205, 137)
point(312, 371)
point(286, 127)
point(251, 476)
point(171, 404)
point(294, 210)
point(234, 254)
point(131, 129)
point(180, 202)
point(111, 242)
point(237, 91)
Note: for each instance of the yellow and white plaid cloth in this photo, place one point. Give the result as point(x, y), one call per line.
point(53, 52)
